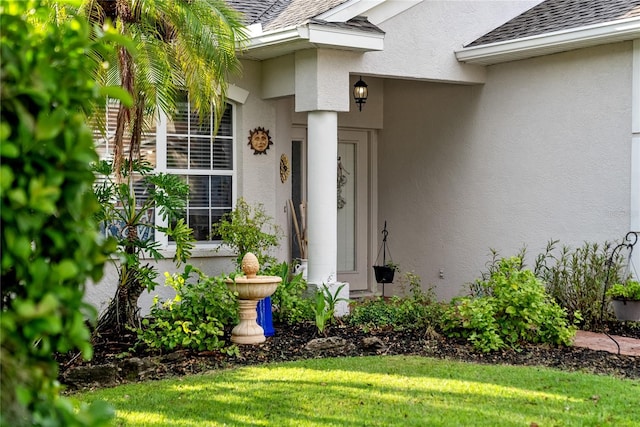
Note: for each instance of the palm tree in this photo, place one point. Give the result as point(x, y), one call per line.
point(180, 44)
point(177, 45)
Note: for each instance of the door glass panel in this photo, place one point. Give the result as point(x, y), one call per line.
point(346, 181)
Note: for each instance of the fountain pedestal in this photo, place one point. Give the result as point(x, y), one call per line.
point(251, 289)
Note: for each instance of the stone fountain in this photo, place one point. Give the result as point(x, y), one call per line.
point(251, 289)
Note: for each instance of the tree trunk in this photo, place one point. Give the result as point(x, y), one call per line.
point(123, 312)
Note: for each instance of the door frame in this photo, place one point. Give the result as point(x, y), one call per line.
point(299, 133)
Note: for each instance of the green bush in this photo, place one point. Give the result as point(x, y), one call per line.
point(50, 242)
point(248, 228)
point(575, 278)
point(515, 310)
point(195, 318)
point(288, 301)
point(416, 310)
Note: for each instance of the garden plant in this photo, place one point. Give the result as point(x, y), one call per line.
point(514, 308)
point(126, 214)
point(248, 228)
point(195, 318)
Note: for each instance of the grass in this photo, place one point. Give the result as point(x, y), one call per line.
point(377, 391)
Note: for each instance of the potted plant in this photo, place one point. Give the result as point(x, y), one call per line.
point(625, 298)
point(384, 273)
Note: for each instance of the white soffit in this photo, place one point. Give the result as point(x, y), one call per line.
point(376, 11)
point(549, 43)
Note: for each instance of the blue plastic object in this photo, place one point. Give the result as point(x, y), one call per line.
point(265, 318)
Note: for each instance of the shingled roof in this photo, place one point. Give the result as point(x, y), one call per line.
point(276, 14)
point(557, 15)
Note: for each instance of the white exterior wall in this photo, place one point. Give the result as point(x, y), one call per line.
point(541, 151)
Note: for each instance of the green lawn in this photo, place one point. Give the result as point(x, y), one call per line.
point(378, 391)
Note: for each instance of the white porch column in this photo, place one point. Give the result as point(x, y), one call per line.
point(322, 216)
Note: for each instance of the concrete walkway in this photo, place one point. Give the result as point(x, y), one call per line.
point(596, 341)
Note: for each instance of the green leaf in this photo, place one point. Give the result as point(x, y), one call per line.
point(9, 149)
point(67, 269)
point(117, 92)
point(48, 126)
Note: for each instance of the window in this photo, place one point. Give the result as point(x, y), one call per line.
point(183, 145)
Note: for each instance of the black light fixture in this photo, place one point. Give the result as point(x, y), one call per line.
point(360, 93)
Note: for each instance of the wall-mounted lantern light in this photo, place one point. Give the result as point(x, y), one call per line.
point(360, 93)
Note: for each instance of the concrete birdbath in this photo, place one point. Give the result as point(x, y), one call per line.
point(251, 289)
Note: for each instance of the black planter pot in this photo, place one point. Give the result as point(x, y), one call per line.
point(384, 274)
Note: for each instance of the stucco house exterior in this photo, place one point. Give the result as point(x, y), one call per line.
point(488, 124)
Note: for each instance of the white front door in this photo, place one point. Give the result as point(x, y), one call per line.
point(354, 218)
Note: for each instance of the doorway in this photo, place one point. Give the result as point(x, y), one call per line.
point(356, 212)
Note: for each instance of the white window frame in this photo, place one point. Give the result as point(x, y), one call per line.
point(202, 248)
point(161, 167)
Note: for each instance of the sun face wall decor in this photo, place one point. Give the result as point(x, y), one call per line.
point(259, 140)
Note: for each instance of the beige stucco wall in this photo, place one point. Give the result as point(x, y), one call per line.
point(541, 151)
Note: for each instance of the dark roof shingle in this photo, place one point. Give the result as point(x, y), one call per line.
point(556, 15)
point(275, 14)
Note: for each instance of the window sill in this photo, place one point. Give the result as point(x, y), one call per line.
point(202, 251)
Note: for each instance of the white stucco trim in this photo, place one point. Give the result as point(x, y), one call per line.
point(337, 37)
point(270, 44)
point(548, 43)
point(237, 94)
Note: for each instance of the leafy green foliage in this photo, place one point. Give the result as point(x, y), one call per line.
point(129, 218)
point(515, 310)
point(630, 290)
point(575, 278)
point(248, 229)
point(50, 241)
point(288, 301)
point(195, 318)
point(416, 310)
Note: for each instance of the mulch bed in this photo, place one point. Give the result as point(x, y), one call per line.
point(115, 362)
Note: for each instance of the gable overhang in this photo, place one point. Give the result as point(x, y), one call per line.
point(376, 11)
point(549, 43)
point(271, 44)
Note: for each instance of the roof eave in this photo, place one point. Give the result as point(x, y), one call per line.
point(270, 44)
point(549, 43)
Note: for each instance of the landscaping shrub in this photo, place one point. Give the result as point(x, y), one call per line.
point(50, 242)
point(416, 310)
point(195, 318)
point(575, 278)
point(248, 228)
point(288, 301)
point(515, 310)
